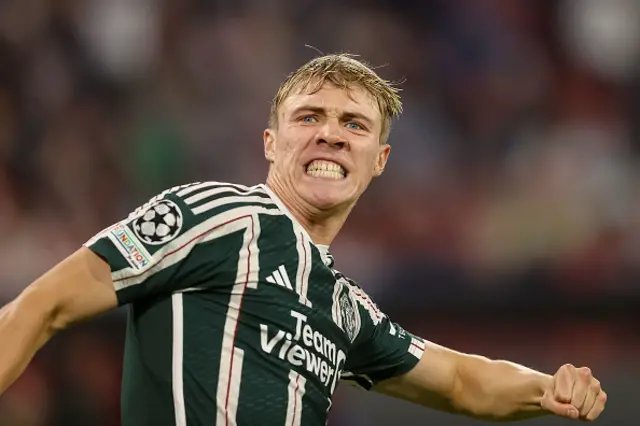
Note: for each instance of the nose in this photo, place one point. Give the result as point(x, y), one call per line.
point(331, 135)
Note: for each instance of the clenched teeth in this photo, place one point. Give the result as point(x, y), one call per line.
point(326, 169)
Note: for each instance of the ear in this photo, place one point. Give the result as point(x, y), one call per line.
point(381, 161)
point(269, 145)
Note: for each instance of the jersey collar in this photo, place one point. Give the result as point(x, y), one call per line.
point(327, 257)
point(322, 248)
point(285, 210)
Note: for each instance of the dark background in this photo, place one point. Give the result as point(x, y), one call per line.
point(507, 222)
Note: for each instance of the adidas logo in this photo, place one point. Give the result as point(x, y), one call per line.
point(280, 277)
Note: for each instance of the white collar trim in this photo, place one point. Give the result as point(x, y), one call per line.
point(286, 211)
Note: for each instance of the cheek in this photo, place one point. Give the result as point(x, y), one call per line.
point(283, 145)
point(289, 149)
point(291, 141)
point(286, 152)
point(369, 160)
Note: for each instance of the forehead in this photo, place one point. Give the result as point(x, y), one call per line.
point(334, 99)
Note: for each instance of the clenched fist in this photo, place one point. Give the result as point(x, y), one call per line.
point(574, 393)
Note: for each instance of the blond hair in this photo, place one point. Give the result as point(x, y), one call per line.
point(345, 72)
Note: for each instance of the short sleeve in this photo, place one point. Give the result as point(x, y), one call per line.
point(382, 350)
point(173, 242)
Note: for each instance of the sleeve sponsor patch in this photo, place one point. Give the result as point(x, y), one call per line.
point(129, 246)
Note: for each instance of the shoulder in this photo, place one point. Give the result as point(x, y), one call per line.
point(202, 200)
point(197, 207)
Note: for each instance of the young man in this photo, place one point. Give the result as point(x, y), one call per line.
point(238, 316)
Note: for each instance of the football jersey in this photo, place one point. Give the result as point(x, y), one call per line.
point(236, 317)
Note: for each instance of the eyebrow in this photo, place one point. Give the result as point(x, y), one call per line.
point(345, 115)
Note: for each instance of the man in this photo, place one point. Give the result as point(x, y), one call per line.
point(238, 316)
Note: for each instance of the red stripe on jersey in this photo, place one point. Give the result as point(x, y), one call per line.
point(304, 268)
point(366, 299)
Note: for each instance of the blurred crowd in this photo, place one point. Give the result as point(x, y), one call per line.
point(513, 174)
point(517, 151)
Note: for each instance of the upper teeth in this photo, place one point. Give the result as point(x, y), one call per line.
point(327, 166)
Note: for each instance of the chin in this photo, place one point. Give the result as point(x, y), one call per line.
point(326, 197)
point(327, 203)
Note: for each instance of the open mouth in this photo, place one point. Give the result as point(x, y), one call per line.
point(326, 169)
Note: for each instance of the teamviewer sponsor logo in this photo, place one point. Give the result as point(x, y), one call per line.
point(130, 247)
point(305, 349)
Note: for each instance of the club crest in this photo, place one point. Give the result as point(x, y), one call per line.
point(345, 310)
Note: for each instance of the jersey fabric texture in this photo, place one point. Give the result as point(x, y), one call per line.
point(236, 316)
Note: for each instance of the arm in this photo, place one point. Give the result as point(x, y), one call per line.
point(495, 390)
point(78, 288)
point(116, 266)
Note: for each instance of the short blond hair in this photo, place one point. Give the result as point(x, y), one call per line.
point(345, 72)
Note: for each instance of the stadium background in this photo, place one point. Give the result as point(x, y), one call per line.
point(507, 223)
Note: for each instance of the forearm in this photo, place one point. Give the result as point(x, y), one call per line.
point(76, 289)
point(22, 333)
point(499, 390)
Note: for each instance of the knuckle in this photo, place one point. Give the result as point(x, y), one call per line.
point(602, 397)
point(585, 372)
point(595, 386)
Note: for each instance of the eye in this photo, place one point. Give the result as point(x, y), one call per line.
point(308, 119)
point(354, 125)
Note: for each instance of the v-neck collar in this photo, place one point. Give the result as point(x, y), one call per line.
point(322, 248)
point(285, 210)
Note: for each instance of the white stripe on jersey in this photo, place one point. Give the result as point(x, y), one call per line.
point(178, 249)
point(177, 360)
point(296, 390)
point(229, 200)
point(203, 185)
point(229, 375)
point(417, 347)
point(233, 397)
point(252, 253)
point(137, 212)
point(304, 267)
point(143, 208)
point(215, 191)
point(297, 227)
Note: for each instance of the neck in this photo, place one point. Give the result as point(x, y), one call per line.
point(321, 225)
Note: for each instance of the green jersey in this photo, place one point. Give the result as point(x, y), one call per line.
point(236, 316)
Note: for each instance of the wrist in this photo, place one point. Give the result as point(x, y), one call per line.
point(543, 383)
